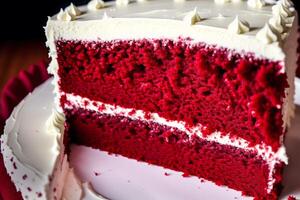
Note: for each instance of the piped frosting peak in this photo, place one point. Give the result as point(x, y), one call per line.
point(64, 16)
point(256, 3)
point(73, 10)
point(238, 26)
point(280, 9)
point(95, 4)
point(277, 22)
point(268, 35)
point(122, 2)
point(192, 17)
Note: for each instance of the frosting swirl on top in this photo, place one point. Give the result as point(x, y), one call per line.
point(64, 16)
point(238, 26)
point(286, 11)
point(268, 35)
point(280, 9)
point(95, 4)
point(192, 17)
point(73, 10)
point(122, 2)
point(277, 22)
point(256, 3)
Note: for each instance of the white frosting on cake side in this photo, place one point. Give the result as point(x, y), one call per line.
point(32, 157)
point(33, 150)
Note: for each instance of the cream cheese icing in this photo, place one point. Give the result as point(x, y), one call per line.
point(163, 19)
point(95, 5)
point(64, 16)
point(192, 17)
point(238, 26)
point(278, 23)
point(268, 34)
point(256, 3)
point(122, 2)
point(73, 10)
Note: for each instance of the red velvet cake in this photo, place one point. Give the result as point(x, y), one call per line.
point(142, 83)
point(207, 91)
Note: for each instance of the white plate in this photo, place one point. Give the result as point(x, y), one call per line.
point(120, 178)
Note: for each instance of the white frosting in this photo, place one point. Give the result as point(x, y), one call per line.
point(122, 2)
point(73, 10)
point(163, 19)
point(192, 17)
point(238, 26)
point(282, 10)
point(31, 157)
point(222, 1)
point(256, 3)
point(268, 35)
point(278, 23)
point(95, 5)
point(105, 16)
point(64, 16)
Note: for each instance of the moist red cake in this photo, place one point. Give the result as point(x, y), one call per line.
point(208, 92)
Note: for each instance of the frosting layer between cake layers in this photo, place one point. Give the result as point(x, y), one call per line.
point(262, 151)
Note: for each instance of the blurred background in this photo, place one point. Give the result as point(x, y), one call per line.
point(22, 40)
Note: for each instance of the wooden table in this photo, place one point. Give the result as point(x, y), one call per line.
point(17, 55)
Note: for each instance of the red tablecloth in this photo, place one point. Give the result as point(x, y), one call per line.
point(13, 92)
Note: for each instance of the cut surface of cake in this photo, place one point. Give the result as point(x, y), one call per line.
point(202, 87)
point(206, 91)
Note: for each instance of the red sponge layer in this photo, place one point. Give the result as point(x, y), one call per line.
point(171, 148)
point(218, 88)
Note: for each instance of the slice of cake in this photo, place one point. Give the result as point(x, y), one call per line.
point(203, 87)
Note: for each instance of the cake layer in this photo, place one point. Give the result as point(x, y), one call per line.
point(199, 84)
point(171, 148)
